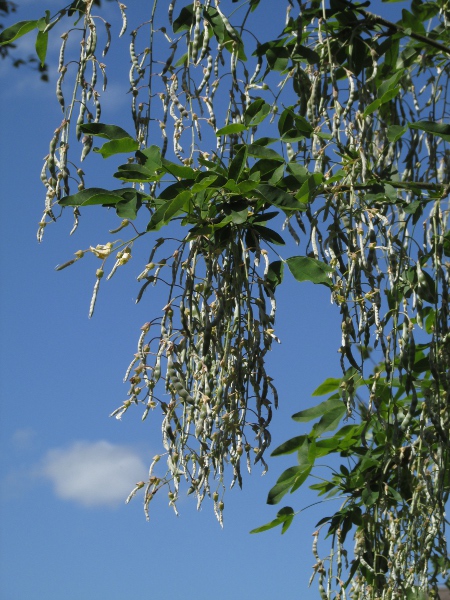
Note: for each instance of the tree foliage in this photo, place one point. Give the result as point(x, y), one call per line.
point(340, 126)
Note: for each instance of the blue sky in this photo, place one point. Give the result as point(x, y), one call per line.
point(65, 466)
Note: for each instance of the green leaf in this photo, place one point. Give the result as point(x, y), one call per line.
point(309, 414)
point(287, 479)
point(269, 235)
point(287, 524)
point(290, 446)
point(308, 189)
point(300, 172)
point(440, 129)
point(395, 132)
point(41, 46)
point(278, 197)
point(124, 145)
point(274, 274)
point(389, 84)
point(285, 515)
point(120, 142)
point(369, 497)
point(110, 132)
point(238, 164)
point(304, 268)
point(247, 186)
point(185, 19)
point(231, 128)
point(300, 479)
point(150, 157)
point(447, 244)
point(178, 170)
point(303, 53)
point(261, 152)
point(330, 420)
point(409, 21)
point(278, 58)
point(128, 208)
point(10, 34)
point(375, 105)
point(136, 173)
point(256, 112)
point(204, 183)
point(92, 196)
point(329, 385)
point(167, 211)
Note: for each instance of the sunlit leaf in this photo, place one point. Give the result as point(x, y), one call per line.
point(305, 268)
point(10, 34)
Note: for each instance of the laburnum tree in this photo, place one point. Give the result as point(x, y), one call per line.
point(333, 132)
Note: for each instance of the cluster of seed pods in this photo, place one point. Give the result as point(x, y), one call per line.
point(203, 364)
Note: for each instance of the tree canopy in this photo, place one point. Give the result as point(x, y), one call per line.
point(336, 130)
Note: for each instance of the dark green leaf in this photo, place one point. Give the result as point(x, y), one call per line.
point(278, 197)
point(409, 21)
point(318, 410)
point(290, 446)
point(278, 58)
point(110, 132)
point(274, 274)
point(136, 173)
point(185, 19)
point(128, 209)
point(303, 53)
point(166, 211)
point(369, 497)
point(269, 235)
point(286, 480)
point(440, 129)
point(447, 244)
point(256, 112)
point(150, 157)
point(308, 189)
point(93, 196)
point(304, 268)
point(300, 172)
point(238, 164)
point(262, 152)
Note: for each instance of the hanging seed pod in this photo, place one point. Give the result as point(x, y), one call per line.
point(205, 43)
point(61, 63)
point(108, 38)
point(122, 8)
point(59, 92)
point(87, 145)
point(196, 37)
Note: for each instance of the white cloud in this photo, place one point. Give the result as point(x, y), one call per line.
point(93, 473)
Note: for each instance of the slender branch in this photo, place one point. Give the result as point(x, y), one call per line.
point(382, 21)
